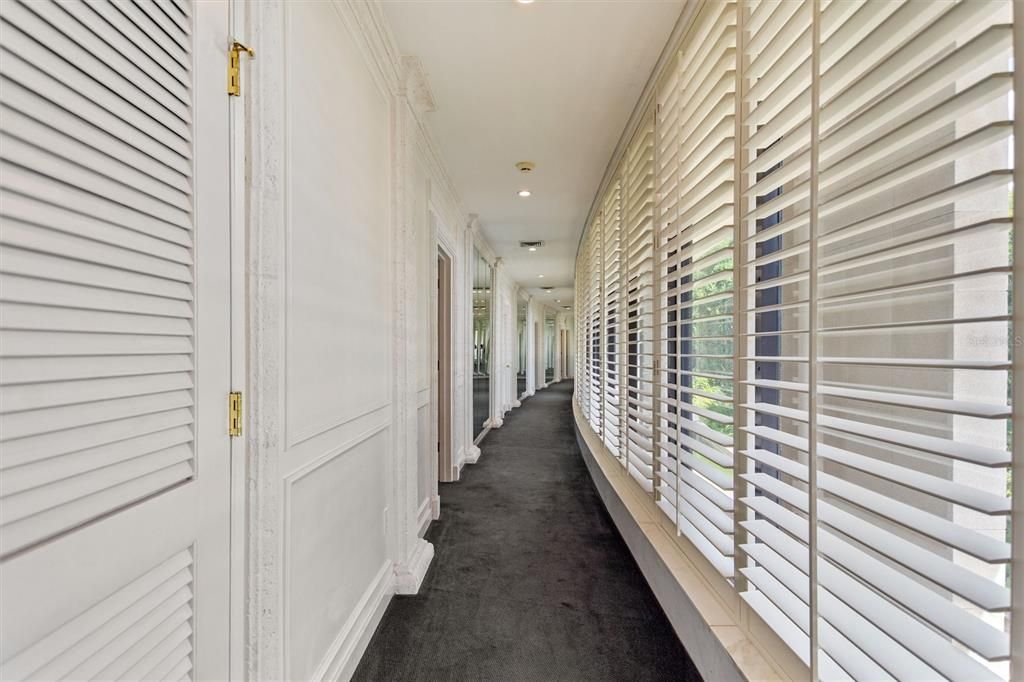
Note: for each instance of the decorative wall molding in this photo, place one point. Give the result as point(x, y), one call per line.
point(417, 89)
point(264, 436)
point(289, 482)
point(409, 576)
point(402, 81)
point(341, 659)
point(425, 515)
point(369, 27)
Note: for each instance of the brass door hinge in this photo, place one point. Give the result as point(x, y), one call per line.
point(234, 68)
point(235, 414)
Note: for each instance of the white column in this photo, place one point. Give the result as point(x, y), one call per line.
point(412, 554)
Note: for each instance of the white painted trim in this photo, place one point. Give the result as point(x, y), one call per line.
point(288, 485)
point(473, 455)
point(238, 21)
point(425, 515)
point(342, 657)
point(262, 427)
point(409, 577)
point(401, 81)
point(1017, 494)
point(435, 507)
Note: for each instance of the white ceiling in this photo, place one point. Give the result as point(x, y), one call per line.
point(552, 82)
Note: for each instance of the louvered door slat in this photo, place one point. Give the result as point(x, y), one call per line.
point(72, 227)
point(30, 78)
point(155, 37)
point(114, 340)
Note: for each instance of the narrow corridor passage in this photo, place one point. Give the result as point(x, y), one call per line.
point(530, 581)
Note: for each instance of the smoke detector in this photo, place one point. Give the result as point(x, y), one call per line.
point(525, 166)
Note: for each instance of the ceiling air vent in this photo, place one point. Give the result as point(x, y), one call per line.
point(547, 288)
point(531, 245)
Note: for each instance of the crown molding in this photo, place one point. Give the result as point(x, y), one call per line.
point(403, 76)
point(369, 26)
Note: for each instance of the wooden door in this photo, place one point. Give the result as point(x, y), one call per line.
point(114, 340)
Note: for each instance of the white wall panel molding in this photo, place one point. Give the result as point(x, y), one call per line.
point(321, 526)
point(315, 450)
point(308, 452)
point(341, 659)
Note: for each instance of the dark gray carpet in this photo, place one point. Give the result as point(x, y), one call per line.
point(530, 581)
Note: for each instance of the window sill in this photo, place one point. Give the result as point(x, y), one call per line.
point(723, 638)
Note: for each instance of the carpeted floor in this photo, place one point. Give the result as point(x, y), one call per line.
point(530, 581)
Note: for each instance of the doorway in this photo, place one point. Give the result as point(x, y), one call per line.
point(445, 467)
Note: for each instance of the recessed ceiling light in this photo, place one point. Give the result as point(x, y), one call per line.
point(525, 2)
point(524, 192)
point(540, 276)
point(558, 300)
point(533, 248)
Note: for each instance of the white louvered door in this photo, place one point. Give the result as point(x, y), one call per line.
point(114, 340)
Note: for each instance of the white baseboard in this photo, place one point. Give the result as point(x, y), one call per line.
point(409, 576)
point(517, 403)
point(497, 423)
point(347, 648)
point(435, 507)
point(473, 455)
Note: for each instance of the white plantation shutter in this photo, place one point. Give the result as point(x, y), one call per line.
point(666, 196)
point(96, 268)
point(693, 259)
point(611, 270)
point(579, 288)
point(593, 296)
point(775, 233)
point(864, 276)
point(638, 211)
point(912, 392)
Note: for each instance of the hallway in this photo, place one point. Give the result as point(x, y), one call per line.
point(530, 581)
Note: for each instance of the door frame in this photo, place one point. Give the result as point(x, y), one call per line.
point(238, 20)
point(442, 410)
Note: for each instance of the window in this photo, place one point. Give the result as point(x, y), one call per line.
point(803, 309)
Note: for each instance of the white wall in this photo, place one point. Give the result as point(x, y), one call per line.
point(347, 205)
